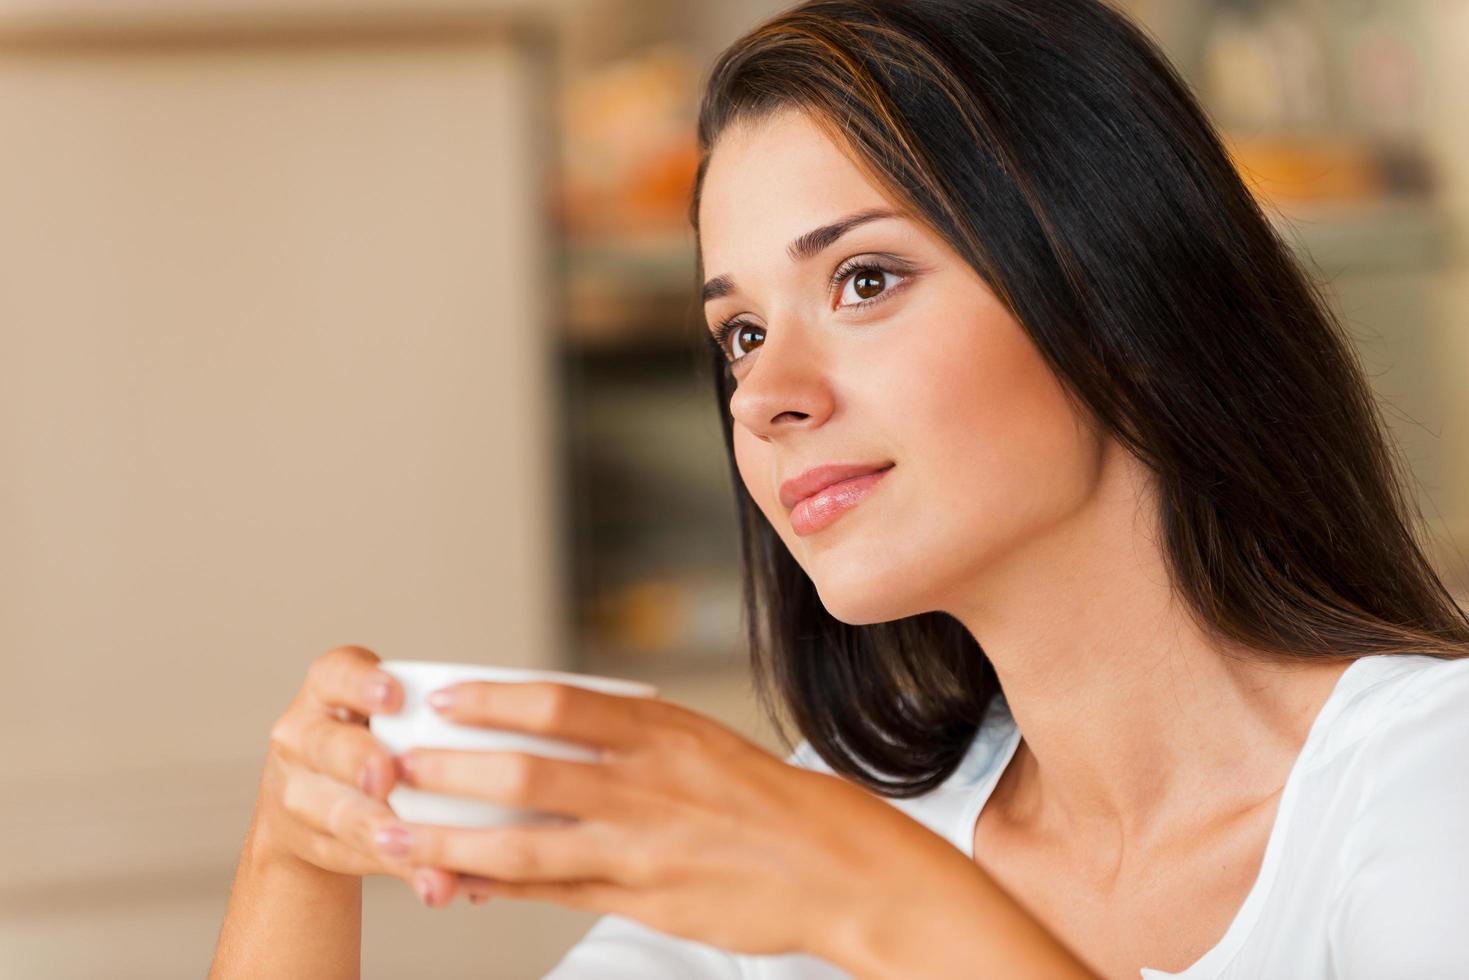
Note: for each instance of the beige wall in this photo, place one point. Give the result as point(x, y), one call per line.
point(277, 376)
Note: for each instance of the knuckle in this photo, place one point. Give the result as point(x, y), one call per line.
point(339, 817)
point(552, 705)
point(682, 739)
point(518, 852)
point(647, 711)
point(331, 671)
point(283, 732)
point(637, 867)
point(312, 745)
point(318, 674)
point(293, 799)
point(522, 776)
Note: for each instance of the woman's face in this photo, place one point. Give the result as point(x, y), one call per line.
point(933, 376)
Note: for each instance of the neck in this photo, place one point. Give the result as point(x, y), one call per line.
point(1134, 719)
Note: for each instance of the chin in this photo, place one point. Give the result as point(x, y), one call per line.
point(867, 602)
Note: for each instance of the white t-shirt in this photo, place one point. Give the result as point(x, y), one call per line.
point(1365, 874)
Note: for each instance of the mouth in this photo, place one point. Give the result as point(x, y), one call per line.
point(820, 496)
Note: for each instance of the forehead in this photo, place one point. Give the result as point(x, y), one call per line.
point(773, 179)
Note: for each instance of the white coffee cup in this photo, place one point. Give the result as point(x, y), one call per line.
point(418, 725)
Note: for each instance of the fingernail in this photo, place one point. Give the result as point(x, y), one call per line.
point(367, 778)
point(394, 840)
point(378, 690)
point(424, 885)
point(441, 700)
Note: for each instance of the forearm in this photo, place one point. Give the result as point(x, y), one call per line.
point(967, 927)
point(289, 919)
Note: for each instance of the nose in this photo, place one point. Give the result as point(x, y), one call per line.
point(786, 388)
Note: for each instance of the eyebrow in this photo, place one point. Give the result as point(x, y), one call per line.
point(805, 246)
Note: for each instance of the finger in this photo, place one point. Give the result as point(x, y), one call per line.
point(438, 888)
point(326, 851)
point(563, 711)
point(435, 887)
point(472, 887)
point(519, 779)
point(347, 752)
point(594, 896)
point(524, 852)
point(340, 826)
point(338, 811)
point(349, 677)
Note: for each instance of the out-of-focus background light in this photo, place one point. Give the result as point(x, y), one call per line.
point(373, 321)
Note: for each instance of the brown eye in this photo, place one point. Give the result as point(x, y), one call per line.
point(734, 339)
point(741, 342)
point(868, 284)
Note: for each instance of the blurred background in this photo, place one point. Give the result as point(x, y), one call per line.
point(373, 321)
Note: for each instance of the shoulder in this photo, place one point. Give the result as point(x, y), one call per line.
point(1415, 732)
point(1402, 890)
point(1412, 677)
point(1406, 724)
point(1389, 695)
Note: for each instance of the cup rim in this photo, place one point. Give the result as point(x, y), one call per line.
point(490, 671)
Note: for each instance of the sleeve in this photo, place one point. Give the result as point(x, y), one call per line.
point(1402, 909)
point(619, 948)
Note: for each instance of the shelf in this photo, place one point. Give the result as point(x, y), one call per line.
point(1384, 235)
point(664, 259)
point(609, 662)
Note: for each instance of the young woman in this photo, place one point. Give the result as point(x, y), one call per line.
point(1073, 546)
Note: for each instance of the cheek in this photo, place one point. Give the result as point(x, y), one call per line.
point(752, 456)
point(994, 445)
point(755, 459)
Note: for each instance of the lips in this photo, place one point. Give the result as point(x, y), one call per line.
point(833, 491)
point(815, 480)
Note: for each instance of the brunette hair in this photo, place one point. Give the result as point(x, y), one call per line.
point(1056, 149)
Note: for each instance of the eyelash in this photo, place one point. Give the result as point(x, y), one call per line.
point(843, 272)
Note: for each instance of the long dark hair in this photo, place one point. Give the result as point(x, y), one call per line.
point(1056, 149)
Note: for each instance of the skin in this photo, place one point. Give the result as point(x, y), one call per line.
point(1144, 745)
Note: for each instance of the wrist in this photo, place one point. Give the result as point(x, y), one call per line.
point(268, 855)
point(954, 922)
point(865, 938)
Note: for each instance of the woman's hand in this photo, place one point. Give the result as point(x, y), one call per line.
point(326, 778)
point(683, 825)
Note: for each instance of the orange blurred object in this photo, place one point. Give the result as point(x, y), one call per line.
point(1283, 168)
point(630, 145)
point(641, 618)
